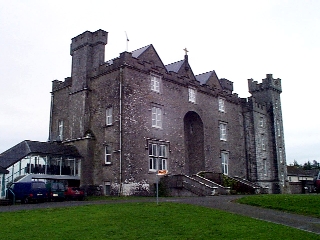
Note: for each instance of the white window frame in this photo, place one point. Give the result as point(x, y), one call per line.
point(158, 156)
point(192, 95)
point(225, 162)
point(155, 83)
point(107, 154)
point(222, 106)
point(223, 131)
point(156, 117)
point(60, 130)
point(109, 116)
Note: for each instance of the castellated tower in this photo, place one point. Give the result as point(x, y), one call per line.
point(87, 51)
point(71, 119)
point(265, 135)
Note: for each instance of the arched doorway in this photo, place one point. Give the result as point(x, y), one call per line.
point(194, 143)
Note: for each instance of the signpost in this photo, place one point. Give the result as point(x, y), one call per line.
point(160, 173)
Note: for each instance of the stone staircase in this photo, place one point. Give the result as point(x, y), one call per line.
point(255, 188)
point(210, 184)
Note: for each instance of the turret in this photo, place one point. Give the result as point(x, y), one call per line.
point(268, 93)
point(87, 51)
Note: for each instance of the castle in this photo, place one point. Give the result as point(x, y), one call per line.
point(132, 116)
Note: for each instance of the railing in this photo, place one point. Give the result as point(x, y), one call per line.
point(13, 196)
point(202, 186)
point(193, 185)
point(220, 189)
point(255, 187)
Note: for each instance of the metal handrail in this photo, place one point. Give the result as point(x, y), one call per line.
point(14, 196)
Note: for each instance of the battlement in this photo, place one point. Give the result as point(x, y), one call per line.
point(269, 83)
point(226, 84)
point(251, 104)
point(57, 85)
point(88, 38)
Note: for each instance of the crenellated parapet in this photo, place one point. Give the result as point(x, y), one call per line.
point(57, 85)
point(251, 104)
point(88, 38)
point(269, 83)
point(226, 84)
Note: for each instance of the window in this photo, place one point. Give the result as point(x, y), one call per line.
point(223, 131)
point(155, 83)
point(261, 122)
point(109, 116)
point(225, 162)
point(156, 117)
point(265, 170)
point(60, 130)
point(107, 154)
point(263, 142)
point(280, 155)
point(192, 95)
point(278, 128)
point(221, 104)
point(157, 156)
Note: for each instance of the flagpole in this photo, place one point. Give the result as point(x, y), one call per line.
point(127, 41)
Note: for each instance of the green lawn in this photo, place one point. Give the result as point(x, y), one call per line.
point(305, 204)
point(139, 221)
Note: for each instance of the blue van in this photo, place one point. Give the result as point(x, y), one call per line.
point(29, 191)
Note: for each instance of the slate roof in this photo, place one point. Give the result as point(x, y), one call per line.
point(204, 77)
point(296, 171)
point(27, 147)
point(138, 52)
point(174, 67)
point(3, 171)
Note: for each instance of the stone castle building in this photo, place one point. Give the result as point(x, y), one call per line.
point(132, 116)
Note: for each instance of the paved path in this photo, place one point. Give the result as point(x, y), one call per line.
point(223, 202)
point(227, 203)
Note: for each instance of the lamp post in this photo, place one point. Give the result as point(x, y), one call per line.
point(159, 173)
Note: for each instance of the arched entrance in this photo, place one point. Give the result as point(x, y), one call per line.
point(194, 143)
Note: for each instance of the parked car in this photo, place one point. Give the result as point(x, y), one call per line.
point(28, 192)
point(55, 191)
point(74, 193)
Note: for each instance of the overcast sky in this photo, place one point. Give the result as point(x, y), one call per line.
point(238, 39)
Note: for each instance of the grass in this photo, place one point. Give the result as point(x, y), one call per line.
point(303, 204)
point(139, 221)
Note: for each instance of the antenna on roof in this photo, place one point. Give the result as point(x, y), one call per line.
point(127, 41)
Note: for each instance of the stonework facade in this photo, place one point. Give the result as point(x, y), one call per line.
point(132, 116)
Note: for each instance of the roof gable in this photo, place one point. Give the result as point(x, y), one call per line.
point(210, 79)
point(174, 67)
point(148, 54)
point(138, 52)
point(181, 67)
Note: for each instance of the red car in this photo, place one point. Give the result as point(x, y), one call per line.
point(74, 193)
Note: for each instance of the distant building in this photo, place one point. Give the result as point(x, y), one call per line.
point(132, 116)
point(300, 180)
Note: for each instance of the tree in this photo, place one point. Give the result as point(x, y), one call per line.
point(296, 164)
point(307, 166)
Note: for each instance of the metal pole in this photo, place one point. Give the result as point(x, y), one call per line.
point(157, 189)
